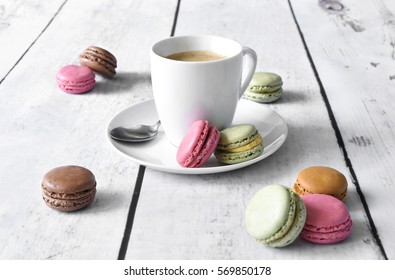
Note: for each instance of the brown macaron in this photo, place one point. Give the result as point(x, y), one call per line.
point(68, 188)
point(321, 180)
point(99, 60)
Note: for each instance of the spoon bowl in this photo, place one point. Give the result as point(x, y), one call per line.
point(135, 133)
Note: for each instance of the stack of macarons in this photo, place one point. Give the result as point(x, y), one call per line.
point(320, 216)
point(265, 87)
point(323, 189)
point(79, 79)
point(239, 143)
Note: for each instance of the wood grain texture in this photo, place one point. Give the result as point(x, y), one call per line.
point(357, 70)
point(202, 217)
point(21, 23)
point(42, 127)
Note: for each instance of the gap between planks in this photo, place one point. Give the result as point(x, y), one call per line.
point(340, 141)
point(35, 40)
point(139, 181)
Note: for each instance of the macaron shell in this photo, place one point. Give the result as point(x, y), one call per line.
point(328, 219)
point(265, 82)
point(267, 211)
point(321, 180)
point(192, 143)
point(75, 73)
point(236, 136)
point(68, 179)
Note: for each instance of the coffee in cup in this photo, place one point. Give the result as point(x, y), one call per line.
point(198, 55)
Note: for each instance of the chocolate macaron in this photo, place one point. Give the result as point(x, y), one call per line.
point(99, 60)
point(68, 188)
point(321, 180)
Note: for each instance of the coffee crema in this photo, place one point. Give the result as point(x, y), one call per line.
point(199, 55)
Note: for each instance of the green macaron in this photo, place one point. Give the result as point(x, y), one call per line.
point(265, 87)
point(275, 216)
point(239, 143)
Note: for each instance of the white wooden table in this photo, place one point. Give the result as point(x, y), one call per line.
point(337, 60)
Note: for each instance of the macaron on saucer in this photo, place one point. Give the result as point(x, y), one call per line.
point(328, 220)
point(160, 154)
point(198, 144)
point(265, 87)
point(239, 143)
point(275, 216)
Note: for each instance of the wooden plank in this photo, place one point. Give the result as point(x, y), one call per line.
point(42, 127)
point(202, 217)
point(21, 23)
point(357, 72)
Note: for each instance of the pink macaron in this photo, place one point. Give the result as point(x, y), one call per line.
point(328, 220)
point(75, 79)
point(198, 144)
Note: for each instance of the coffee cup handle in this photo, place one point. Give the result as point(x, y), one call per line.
point(249, 66)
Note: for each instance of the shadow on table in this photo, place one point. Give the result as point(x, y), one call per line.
point(121, 82)
point(290, 96)
point(105, 201)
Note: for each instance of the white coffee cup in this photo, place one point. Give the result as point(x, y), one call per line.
point(186, 91)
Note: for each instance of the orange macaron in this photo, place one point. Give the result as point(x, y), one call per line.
point(321, 180)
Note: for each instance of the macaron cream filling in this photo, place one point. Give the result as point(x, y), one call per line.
point(257, 141)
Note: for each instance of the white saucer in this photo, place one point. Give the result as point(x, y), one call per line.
point(159, 154)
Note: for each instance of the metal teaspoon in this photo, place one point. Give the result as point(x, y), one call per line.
point(135, 133)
